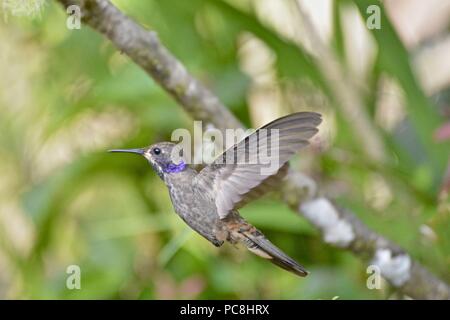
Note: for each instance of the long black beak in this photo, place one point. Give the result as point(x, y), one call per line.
point(138, 151)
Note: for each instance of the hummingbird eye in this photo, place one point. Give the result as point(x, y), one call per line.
point(156, 151)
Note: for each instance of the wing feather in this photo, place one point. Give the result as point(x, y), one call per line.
point(236, 175)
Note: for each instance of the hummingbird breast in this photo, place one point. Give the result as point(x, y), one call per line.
point(197, 209)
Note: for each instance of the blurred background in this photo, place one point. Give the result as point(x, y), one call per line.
point(66, 96)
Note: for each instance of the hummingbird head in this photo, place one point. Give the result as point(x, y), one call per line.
point(164, 157)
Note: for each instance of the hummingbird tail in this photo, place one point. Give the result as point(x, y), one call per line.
point(258, 244)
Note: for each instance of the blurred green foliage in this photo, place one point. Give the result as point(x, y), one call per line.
point(66, 96)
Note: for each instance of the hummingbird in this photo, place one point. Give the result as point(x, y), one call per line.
point(208, 200)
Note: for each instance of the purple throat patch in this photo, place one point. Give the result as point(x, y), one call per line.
point(174, 168)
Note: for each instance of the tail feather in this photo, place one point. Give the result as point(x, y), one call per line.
point(261, 246)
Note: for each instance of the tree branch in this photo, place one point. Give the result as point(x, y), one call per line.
point(338, 226)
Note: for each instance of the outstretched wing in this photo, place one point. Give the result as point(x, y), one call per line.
point(239, 175)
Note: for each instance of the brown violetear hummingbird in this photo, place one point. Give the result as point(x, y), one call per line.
point(208, 200)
